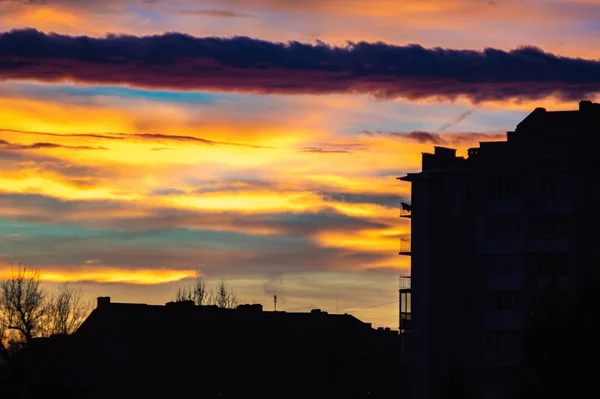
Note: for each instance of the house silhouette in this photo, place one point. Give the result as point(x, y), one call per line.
point(125, 350)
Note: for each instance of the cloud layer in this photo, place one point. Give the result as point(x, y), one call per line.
point(118, 186)
point(183, 62)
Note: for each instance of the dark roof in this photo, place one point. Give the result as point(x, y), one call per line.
point(588, 115)
point(539, 127)
point(160, 351)
point(137, 320)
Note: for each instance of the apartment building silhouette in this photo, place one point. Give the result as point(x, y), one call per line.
point(488, 232)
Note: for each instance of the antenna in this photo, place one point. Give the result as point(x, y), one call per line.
point(275, 303)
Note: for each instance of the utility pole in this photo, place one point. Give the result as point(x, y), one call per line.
point(275, 303)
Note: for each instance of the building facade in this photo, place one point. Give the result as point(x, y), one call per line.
point(490, 232)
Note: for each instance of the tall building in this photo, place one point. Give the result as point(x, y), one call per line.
point(489, 232)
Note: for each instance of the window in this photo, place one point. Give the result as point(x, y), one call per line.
point(505, 225)
point(596, 191)
point(502, 187)
point(565, 186)
point(548, 264)
point(547, 162)
point(469, 194)
point(503, 340)
point(468, 229)
point(550, 226)
point(513, 187)
point(550, 186)
point(494, 188)
point(503, 264)
point(500, 375)
point(504, 301)
point(597, 229)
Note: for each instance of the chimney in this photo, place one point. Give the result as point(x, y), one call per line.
point(257, 307)
point(180, 304)
point(103, 301)
point(585, 105)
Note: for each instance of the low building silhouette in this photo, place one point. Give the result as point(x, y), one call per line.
point(489, 233)
point(125, 350)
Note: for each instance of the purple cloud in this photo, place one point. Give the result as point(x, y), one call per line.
point(178, 61)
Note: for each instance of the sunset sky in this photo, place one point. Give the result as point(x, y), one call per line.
point(145, 142)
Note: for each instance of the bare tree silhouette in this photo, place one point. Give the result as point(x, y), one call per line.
point(200, 295)
point(23, 304)
point(197, 292)
point(66, 311)
point(183, 294)
point(225, 297)
point(27, 312)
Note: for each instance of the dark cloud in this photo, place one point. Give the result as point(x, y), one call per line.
point(168, 191)
point(178, 61)
point(388, 201)
point(319, 150)
point(5, 145)
point(333, 148)
point(165, 137)
point(459, 138)
point(421, 137)
point(82, 135)
point(34, 163)
point(233, 185)
point(157, 137)
point(454, 138)
point(417, 135)
point(456, 120)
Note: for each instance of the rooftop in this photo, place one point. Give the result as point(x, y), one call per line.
point(588, 114)
point(131, 316)
point(539, 126)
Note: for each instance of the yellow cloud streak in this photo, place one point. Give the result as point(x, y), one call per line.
point(365, 240)
point(156, 170)
point(110, 275)
point(57, 189)
point(272, 201)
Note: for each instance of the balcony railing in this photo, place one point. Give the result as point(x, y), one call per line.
point(404, 283)
point(405, 321)
point(405, 246)
point(405, 209)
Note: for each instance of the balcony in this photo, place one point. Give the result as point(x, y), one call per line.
point(405, 321)
point(405, 246)
point(405, 283)
point(405, 308)
point(405, 209)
